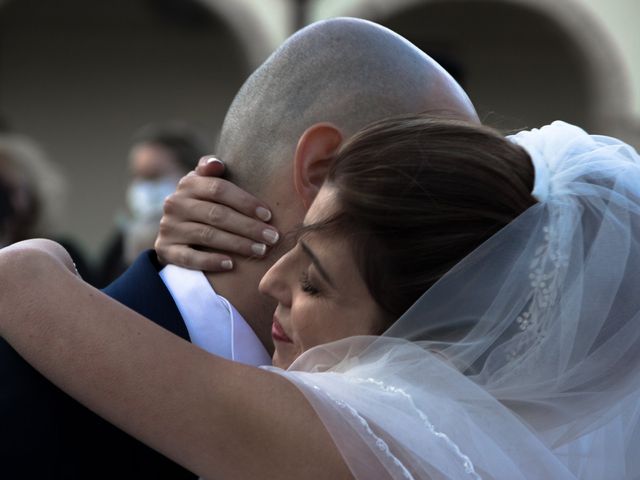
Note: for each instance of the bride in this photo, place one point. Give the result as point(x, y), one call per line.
point(445, 313)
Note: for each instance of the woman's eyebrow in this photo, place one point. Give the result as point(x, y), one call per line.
point(316, 262)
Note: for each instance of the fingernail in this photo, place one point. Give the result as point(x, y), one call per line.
point(271, 236)
point(263, 214)
point(214, 159)
point(226, 264)
point(259, 248)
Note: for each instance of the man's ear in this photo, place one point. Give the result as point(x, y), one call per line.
point(314, 153)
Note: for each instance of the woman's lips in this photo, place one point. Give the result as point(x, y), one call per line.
point(278, 333)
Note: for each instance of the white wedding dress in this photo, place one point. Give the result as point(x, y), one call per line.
point(545, 384)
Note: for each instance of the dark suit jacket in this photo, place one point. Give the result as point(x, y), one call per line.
point(45, 434)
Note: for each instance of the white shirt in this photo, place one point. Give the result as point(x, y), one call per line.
point(212, 322)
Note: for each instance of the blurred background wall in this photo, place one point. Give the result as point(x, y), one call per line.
point(80, 76)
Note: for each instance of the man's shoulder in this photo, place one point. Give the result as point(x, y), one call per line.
point(141, 289)
point(140, 277)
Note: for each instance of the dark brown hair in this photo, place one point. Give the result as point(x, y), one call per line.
point(417, 194)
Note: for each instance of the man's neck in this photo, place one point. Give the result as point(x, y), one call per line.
point(240, 287)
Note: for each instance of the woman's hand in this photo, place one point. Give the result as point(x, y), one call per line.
point(207, 212)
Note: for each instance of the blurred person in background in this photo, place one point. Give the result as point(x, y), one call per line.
point(160, 155)
point(32, 196)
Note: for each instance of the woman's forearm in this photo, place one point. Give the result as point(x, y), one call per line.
point(211, 415)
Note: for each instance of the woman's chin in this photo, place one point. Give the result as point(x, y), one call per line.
point(282, 360)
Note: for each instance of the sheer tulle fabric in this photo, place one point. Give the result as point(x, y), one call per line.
point(545, 383)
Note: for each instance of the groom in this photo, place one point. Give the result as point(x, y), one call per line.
point(278, 139)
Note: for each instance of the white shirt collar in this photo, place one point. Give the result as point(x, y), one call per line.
point(212, 322)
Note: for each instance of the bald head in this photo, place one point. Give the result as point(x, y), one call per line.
point(345, 71)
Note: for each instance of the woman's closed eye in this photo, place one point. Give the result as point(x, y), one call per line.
point(307, 286)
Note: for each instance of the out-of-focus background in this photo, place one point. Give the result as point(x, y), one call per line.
point(81, 76)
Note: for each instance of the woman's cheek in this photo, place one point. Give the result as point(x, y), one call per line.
point(309, 326)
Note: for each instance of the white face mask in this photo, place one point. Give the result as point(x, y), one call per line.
point(146, 197)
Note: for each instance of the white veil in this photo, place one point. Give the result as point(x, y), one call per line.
point(544, 383)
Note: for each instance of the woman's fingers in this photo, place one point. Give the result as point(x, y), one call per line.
point(207, 212)
point(205, 224)
point(221, 191)
point(187, 257)
point(210, 166)
point(200, 236)
point(186, 227)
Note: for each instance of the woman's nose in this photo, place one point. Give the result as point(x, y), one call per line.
point(275, 283)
